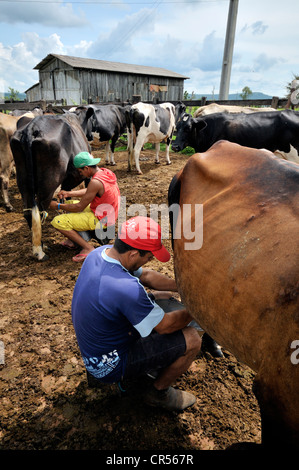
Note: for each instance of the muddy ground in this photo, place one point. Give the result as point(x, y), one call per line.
point(46, 403)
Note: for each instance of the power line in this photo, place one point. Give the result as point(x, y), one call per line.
point(134, 27)
point(87, 2)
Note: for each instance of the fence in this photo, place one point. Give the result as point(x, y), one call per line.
point(57, 107)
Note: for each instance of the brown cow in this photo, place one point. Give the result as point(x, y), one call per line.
point(8, 125)
point(242, 284)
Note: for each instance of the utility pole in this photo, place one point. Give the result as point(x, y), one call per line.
point(228, 49)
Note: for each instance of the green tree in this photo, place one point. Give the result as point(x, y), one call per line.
point(13, 94)
point(246, 92)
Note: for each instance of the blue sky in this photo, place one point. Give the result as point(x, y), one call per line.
point(185, 36)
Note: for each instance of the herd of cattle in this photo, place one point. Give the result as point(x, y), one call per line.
point(242, 286)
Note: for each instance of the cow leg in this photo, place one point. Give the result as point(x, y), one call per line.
point(112, 147)
point(130, 151)
point(4, 183)
point(136, 152)
point(157, 148)
point(168, 162)
point(272, 394)
point(107, 153)
point(37, 235)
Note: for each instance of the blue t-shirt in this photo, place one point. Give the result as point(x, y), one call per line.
point(110, 310)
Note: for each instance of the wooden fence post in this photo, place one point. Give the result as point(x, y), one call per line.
point(274, 102)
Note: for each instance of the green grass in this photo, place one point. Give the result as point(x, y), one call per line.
point(148, 146)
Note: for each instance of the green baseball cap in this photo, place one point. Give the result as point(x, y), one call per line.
point(85, 159)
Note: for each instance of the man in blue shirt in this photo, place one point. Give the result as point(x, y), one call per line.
point(121, 331)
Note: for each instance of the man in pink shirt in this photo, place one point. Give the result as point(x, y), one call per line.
point(99, 203)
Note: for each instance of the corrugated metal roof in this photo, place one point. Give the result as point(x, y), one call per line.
point(93, 64)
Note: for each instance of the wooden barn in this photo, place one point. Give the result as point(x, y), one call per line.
point(80, 81)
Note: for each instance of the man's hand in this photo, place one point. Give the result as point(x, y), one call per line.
point(53, 205)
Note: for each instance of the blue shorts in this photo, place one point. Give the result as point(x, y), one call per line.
point(154, 352)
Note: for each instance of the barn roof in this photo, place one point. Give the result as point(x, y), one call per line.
point(104, 65)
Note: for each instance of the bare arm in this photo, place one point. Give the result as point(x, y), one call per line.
point(154, 280)
point(74, 193)
point(173, 321)
point(94, 188)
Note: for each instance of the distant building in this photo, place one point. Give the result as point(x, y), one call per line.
point(78, 81)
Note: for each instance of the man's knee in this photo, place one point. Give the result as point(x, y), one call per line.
point(193, 339)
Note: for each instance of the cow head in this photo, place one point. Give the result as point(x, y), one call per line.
point(187, 128)
point(84, 114)
point(180, 109)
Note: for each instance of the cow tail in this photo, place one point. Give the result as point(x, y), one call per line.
point(26, 144)
point(31, 212)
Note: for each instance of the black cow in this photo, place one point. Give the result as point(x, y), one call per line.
point(43, 152)
point(277, 132)
point(151, 123)
point(107, 122)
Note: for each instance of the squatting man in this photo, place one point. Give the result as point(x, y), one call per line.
point(121, 331)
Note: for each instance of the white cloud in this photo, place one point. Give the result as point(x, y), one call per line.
point(49, 14)
point(210, 54)
point(264, 62)
point(119, 41)
point(17, 62)
point(259, 27)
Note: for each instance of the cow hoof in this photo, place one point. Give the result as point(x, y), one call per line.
point(44, 258)
point(157, 163)
point(9, 208)
point(168, 163)
point(209, 345)
point(139, 173)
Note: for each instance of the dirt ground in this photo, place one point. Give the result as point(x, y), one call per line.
point(46, 403)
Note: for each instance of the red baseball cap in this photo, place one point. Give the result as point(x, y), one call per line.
point(144, 233)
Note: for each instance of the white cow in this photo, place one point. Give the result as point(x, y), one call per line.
point(149, 123)
point(218, 108)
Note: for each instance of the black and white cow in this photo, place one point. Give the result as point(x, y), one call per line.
point(84, 114)
point(103, 122)
point(43, 151)
point(277, 132)
point(108, 124)
point(151, 123)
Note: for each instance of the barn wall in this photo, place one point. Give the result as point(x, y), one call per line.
point(59, 81)
point(112, 86)
point(33, 94)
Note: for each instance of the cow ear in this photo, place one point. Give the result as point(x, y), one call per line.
point(89, 112)
point(200, 124)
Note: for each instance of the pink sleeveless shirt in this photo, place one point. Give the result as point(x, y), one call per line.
point(108, 204)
